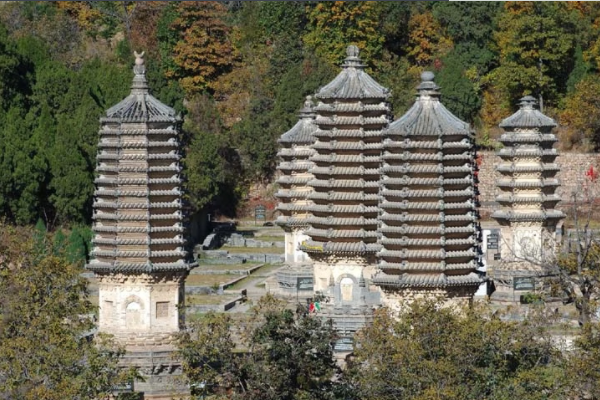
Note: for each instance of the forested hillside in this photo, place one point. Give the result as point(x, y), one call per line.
point(239, 71)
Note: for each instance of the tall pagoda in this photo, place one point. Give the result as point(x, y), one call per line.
point(294, 190)
point(528, 198)
point(293, 197)
point(429, 223)
point(138, 251)
point(351, 113)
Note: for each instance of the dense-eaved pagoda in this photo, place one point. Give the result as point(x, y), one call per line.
point(293, 196)
point(352, 111)
point(429, 222)
point(294, 190)
point(138, 251)
point(527, 195)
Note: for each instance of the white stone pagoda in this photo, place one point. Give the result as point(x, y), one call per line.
point(528, 198)
point(294, 190)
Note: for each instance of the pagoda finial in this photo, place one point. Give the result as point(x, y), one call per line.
point(427, 87)
point(139, 85)
point(528, 102)
point(139, 67)
point(307, 110)
point(352, 58)
point(308, 102)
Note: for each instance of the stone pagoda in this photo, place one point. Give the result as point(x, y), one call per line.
point(429, 223)
point(351, 113)
point(528, 198)
point(138, 251)
point(293, 197)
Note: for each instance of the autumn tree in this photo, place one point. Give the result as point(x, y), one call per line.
point(432, 351)
point(144, 26)
point(46, 323)
point(427, 40)
point(581, 114)
point(333, 25)
point(204, 49)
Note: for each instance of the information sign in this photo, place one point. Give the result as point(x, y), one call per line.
point(492, 241)
point(523, 283)
point(305, 283)
point(343, 344)
point(260, 212)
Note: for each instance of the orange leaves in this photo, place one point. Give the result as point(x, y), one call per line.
point(426, 39)
point(581, 113)
point(204, 50)
point(85, 15)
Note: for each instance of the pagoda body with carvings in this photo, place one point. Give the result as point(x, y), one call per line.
point(138, 251)
point(293, 197)
point(429, 223)
point(351, 113)
point(528, 198)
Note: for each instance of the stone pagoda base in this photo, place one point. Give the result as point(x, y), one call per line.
point(504, 275)
point(296, 280)
point(161, 374)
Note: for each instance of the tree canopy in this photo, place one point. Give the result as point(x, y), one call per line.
point(46, 323)
point(251, 64)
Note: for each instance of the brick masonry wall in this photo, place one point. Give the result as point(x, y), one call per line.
point(573, 167)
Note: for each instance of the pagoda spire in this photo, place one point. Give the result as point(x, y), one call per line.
point(139, 84)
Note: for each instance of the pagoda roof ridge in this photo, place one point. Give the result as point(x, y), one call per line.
point(140, 105)
point(528, 117)
point(302, 131)
point(428, 116)
point(353, 82)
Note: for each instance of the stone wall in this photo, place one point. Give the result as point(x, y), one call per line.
point(573, 167)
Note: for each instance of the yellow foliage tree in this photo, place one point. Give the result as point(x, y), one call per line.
point(86, 16)
point(581, 114)
point(333, 25)
point(427, 41)
point(204, 50)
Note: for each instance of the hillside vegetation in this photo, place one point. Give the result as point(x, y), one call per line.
point(239, 71)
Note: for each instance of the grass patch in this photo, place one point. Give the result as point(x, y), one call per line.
point(207, 299)
point(267, 269)
point(227, 267)
point(240, 284)
point(209, 280)
point(254, 250)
